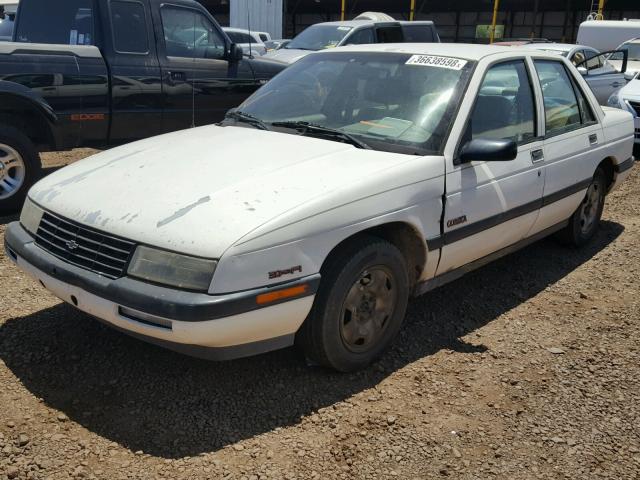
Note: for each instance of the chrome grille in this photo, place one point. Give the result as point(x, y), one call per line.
point(635, 106)
point(84, 247)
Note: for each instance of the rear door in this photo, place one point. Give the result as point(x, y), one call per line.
point(136, 89)
point(492, 205)
point(573, 142)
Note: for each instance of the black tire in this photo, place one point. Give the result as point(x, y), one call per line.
point(361, 267)
point(585, 221)
point(12, 199)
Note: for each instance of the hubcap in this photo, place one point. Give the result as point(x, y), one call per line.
point(590, 207)
point(12, 171)
point(367, 309)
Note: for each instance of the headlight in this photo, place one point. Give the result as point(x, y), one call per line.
point(174, 269)
point(31, 216)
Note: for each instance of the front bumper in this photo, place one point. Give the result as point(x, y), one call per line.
point(212, 326)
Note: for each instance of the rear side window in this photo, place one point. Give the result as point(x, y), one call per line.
point(561, 109)
point(68, 23)
point(129, 27)
point(418, 33)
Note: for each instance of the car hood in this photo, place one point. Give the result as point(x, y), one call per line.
point(199, 191)
point(631, 90)
point(287, 55)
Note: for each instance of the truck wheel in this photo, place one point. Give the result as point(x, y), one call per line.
point(585, 221)
point(19, 168)
point(359, 307)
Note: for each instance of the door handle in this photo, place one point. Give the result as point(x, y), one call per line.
point(537, 155)
point(178, 76)
point(593, 139)
point(617, 84)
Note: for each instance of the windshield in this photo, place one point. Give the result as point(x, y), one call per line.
point(633, 49)
point(319, 37)
point(390, 101)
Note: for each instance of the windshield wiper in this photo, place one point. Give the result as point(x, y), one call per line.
point(239, 116)
point(318, 130)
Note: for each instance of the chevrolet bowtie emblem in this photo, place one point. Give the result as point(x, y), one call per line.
point(72, 245)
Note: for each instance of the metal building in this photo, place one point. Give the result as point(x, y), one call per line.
point(456, 20)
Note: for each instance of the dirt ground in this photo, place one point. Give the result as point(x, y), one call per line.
point(527, 368)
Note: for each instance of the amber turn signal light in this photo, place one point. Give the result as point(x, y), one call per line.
point(282, 294)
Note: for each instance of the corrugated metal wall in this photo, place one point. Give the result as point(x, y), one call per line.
point(264, 15)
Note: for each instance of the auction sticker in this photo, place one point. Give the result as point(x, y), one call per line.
point(435, 61)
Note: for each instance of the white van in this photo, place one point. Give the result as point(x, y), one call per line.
point(605, 35)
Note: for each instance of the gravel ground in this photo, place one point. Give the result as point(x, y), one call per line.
point(527, 368)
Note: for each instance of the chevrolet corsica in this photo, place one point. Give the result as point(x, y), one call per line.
point(356, 178)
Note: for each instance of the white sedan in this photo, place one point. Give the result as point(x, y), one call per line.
point(353, 180)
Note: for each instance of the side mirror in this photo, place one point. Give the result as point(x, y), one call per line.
point(485, 150)
point(235, 53)
point(628, 76)
point(583, 71)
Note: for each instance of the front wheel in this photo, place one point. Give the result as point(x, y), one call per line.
point(19, 168)
point(585, 221)
point(359, 307)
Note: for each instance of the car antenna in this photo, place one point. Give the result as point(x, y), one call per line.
point(249, 28)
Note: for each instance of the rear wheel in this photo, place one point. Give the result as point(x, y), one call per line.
point(19, 168)
point(359, 307)
point(585, 221)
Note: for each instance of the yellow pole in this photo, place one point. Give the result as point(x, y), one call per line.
point(342, 10)
point(600, 9)
point(492, 34)
point(413, 9)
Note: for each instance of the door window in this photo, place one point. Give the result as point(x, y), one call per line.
point(594, 60)
point(504, 108)
point(561, 109)
point(417, 33)
point(129, 27)
point(188, 33)
point(390, 34)
point(68, 23)
point(361, 37)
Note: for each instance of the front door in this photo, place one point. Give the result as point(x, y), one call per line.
point(603, 78)
point(491, 205)
point(199, 82)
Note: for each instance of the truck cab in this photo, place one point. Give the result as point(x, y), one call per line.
point(100, 73)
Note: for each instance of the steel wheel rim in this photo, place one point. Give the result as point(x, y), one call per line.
point(590, 207)
point(12, 171)
point(367, 309)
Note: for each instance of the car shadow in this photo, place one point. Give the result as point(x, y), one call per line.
point(169, 405)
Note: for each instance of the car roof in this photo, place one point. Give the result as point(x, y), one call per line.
point(469, 51)
point(359, 23)
point(560, 47)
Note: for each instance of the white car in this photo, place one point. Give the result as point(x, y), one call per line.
point(251, 42)
point(354, 179)
point(628, 98)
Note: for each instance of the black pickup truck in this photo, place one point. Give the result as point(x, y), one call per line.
point(99, 73)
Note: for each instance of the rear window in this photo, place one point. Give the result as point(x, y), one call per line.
point(418, 33)
point(239, 37)
point(70, 23)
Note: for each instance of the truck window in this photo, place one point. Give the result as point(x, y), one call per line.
point(263, 37)
point(417, 33)
point(361, 37)
point(188, 33)
point(391, 34)
point(239, 37)
point(129, 27)
point(70, 23)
